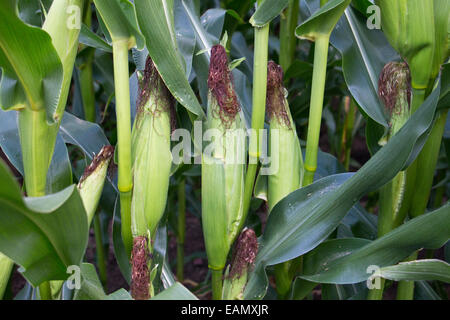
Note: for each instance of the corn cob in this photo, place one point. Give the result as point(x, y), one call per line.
point(223, 167)
point(152, 161)
point(91, 183)
point(244, 256)
point(284, 145)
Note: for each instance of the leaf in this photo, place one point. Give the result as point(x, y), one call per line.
point(31, 65)
point(431, 269)
point(44, 235)
point(393, 247)
point(423, 291)
point(323, 21)
point(175, 292)
point(156, 22)
point(364, 54)
point(267, 11)
point(119, 17)
point(303, 219)
point(89, 38)
point(88, 136)
point(91, 287)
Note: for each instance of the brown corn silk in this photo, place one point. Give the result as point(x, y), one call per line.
point(275, 101)
point(394, 77)
point(140, 274)
point(220, 82)
point(245, 253)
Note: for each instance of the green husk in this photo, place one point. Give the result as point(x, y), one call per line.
point(91, 183)
point(284, 146)
point(237, 274)
point(151, 154)
point(409, 27)
point(286, 156)
point(223, 164)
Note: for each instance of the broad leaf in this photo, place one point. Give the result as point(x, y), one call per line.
point(364, 54)
point(44, 235)
point(91, 287)
point(157, 25)
point(418, 270)
point(323, 21)
point(32, 69)
point(267, 11)
point(393, 247)
point(119, 17)
point(306, 217)
point(175, 292)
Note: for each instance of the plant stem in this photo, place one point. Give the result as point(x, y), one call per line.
point(217, 284)
point(35, 139)
point(125, 184)
point(258, 112)
point(181, 229)
point(426, 165)
point(287, 34)
point(315, 111)
point(347, 132)
point(100, 250)
point(86, 74)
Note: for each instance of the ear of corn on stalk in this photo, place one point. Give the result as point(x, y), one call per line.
point(91, 183)
point(244, 256)
point(223, 163)
point(151, 154)
point(284, 145)
point(152, 162)
point(394, 89)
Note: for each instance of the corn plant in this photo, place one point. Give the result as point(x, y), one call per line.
point(305, 141)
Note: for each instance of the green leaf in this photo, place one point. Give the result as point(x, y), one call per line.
point(323, 21)
point(156, 22)
point(89, 38)
point(364, 54)
point(119, 17)
point(267, 11)
point(30, 63)
point(175, 292)
point(431, 269)
point(393, 247)
point(303, 219)
point(91, 287)
point(44, 235)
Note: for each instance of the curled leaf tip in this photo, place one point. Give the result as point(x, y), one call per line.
point(275, 100)
point(140, 275)
point(221, 84)
point(105, 155)
point(245, 253)
point(395, 79)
